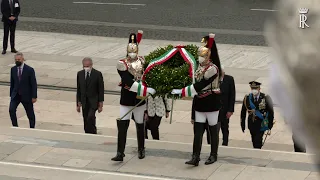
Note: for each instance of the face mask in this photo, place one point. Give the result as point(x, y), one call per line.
point(18, 63)
point(132, 55)
point(201, 59)
point(86, 69)
point(254, 91)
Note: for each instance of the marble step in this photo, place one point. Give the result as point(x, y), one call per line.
point(163, 158)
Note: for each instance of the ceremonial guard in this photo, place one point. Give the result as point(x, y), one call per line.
point(130, 70)
point(260, 109)
point(206, 93)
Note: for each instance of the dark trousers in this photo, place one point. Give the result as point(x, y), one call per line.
point(256, 138)
point(225, 131)
point(153, 124)
point(28, 106)
point(89, 119)
point(298, 146)
point(9, 26)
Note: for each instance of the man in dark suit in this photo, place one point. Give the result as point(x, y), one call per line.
point(228, 98)
point(90, 94)
point(261, 115)
point(23, 89)
point(10, 10)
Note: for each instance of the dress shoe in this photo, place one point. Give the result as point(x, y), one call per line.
point(194, 161)
point(118, 157)
point(4, 52)
point(212, 159)
point(14, 51)
point(141, 154)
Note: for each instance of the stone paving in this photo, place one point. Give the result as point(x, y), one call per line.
point(57, 58)
point(25, 150)
point(55, 110)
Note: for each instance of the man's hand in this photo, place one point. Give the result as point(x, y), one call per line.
point(79, 106)
point(12, 18)
point(145, 116)
point(34, 100)
point(192, 121)
point(229, 114)
point(78, 109)
point(100, 108)
point(167, 114)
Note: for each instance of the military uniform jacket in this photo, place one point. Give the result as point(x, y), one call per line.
point(158, 106)
point(264, 104)
point(204, 97)
point(129, 87)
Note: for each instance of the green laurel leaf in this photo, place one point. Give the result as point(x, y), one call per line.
point(173, 74)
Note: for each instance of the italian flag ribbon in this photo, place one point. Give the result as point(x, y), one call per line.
point(142, 90)
point(168, 55)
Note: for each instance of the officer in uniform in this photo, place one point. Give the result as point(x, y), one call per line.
point(207, 99)
point(130, 70)
point(261, 115)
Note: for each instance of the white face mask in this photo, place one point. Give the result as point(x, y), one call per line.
point(132, 55)
point(201, 59)
point(254, 91)
point(87, 69)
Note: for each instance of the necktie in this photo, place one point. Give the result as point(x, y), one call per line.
point(19, 73)
point(19, 76)
point(87, 77)
point(11, 6)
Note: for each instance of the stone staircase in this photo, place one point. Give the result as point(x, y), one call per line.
point(49, 155)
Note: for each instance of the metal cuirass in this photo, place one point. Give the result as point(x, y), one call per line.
point(135, 67)
point(199, 75)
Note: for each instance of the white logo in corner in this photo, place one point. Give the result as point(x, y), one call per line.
point(303, 17)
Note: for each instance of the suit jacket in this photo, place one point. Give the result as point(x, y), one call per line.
point(228, 96)
point(6, 10)
point(255, 125)
point(158, 106)
point(91, 91)
point(27, 85)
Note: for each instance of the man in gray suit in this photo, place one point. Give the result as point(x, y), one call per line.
point(90, 94)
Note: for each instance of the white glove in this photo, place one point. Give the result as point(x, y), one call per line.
point(176, 91)
point(151, 91)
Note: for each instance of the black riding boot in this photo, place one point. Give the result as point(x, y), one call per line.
point(214, 145)
point(123, 126)
point(198, 129)
point(141, 140)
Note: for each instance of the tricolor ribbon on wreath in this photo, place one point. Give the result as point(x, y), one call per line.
point(187, 57)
